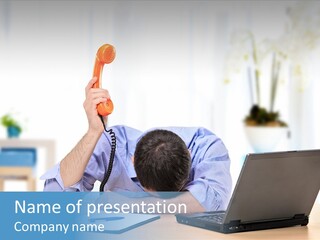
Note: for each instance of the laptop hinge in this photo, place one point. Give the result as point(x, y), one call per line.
point(303, 217)
point(299, 216)
point(234, 223)
point(232, 226)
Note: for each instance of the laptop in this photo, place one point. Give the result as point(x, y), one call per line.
point(273, 190)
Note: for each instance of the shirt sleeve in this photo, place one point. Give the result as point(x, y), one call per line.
point(54, 183)
point(210, 178)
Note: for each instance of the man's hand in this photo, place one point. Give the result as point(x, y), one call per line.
point(94, 96)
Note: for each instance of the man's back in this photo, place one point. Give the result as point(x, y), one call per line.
point(209, 179)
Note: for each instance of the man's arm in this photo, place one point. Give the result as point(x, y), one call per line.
point(74, 164)
point(211, 179)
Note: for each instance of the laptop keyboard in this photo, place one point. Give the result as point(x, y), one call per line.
point(213, 218)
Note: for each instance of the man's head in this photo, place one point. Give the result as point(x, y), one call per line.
point(162, 161)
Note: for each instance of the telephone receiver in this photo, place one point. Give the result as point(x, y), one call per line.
point(105, 55)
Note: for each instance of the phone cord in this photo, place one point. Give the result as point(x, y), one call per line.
point(112, 154)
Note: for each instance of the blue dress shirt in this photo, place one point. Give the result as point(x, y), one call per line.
point(209, 181)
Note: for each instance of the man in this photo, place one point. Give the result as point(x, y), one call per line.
point(192, 160)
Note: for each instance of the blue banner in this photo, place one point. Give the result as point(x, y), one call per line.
point(79, 215)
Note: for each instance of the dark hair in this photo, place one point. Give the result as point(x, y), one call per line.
point(162, 161)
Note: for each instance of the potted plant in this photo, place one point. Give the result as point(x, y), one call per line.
point(286, 52)
point(259, 116)
point(13, 126)
point(263, 127)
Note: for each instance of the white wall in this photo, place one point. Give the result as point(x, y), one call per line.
point(168, 69)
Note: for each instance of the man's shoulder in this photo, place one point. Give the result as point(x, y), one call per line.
point(187, 133)
point(191, 131)
point(194, 135)
point(123, 128)
point(125, 133)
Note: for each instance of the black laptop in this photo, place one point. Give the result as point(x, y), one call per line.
point(273, 190)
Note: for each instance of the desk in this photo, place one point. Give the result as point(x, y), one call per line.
point(167, 228)
point(7, 172)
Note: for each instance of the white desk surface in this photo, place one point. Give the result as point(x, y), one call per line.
point(167, 228)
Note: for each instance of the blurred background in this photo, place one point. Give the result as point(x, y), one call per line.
point(178, 63)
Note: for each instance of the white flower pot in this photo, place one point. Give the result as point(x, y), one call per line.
point(265, 139)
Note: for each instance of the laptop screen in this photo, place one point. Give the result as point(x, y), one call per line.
point(275, 186)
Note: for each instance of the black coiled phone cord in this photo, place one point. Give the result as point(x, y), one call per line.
point(112, 154)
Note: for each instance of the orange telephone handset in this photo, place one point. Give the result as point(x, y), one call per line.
point(105, 55)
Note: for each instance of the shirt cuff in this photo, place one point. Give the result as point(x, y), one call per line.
point(53, 181)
